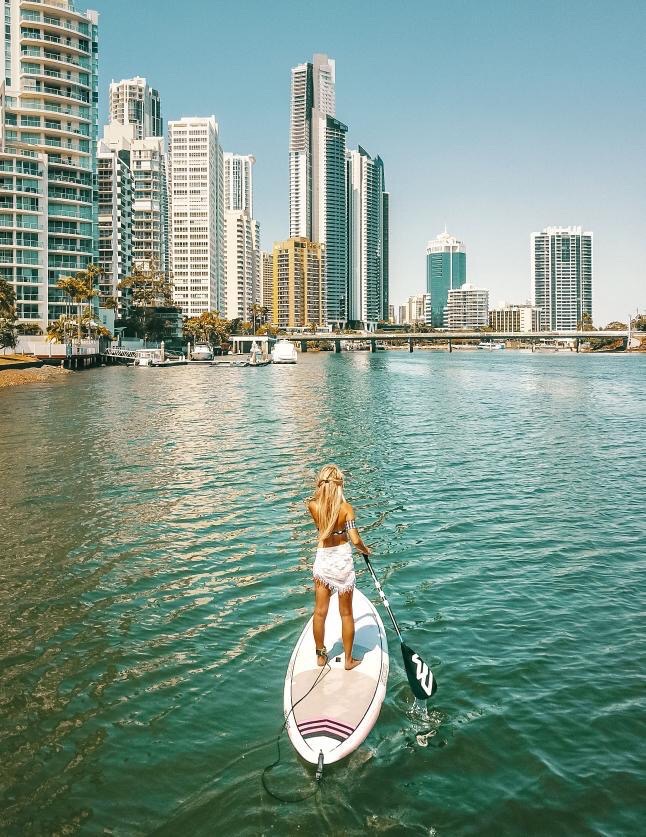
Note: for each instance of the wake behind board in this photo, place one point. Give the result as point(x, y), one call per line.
point(339, 712)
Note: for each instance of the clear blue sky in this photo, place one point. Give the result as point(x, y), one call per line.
point(497, 118)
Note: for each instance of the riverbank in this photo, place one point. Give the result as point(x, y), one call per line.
point(12, 375)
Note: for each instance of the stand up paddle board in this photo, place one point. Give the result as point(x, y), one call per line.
point(337, 715)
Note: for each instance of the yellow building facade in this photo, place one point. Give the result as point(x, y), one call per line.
point(298, 287)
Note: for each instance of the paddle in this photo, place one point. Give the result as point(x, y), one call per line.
point(420, 677)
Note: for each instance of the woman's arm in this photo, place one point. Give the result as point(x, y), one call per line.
point(353, 532)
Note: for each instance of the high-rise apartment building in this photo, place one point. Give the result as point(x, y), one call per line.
point(241, 264)
point(331, 222)
point(467, 307)
point(561, 259)
point(298, 288)
point(114, 180)
point(367, 234)
point(134, 102)
point(242, 268)
point(48, 134)
point(317, 191)
point(238, 181)
point(267, 268)
point(150, 204)
point(312, 100)
point(446, 269)
point(197, 208)
point(515, 318)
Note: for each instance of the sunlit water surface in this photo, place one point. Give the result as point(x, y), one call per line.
point(156, 572)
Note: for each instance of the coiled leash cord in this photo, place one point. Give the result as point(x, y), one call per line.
point(319, 769)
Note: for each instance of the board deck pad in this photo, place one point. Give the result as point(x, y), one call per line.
point(339, 712)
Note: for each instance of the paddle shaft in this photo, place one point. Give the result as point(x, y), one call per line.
point(383, 597)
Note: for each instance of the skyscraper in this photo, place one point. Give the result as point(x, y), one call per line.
point(48, 210)
point(317, 192)
point(312, 100)
point(134, 102)
point(446, 269)
point(562, 275)
point(242, 238)
point(197, 228)
point(367, 234)
point(267, 293)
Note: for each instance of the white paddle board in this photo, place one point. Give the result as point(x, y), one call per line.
point(339, 712)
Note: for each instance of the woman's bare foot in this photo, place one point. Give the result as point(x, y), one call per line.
point(351, 663)
point(321, 659)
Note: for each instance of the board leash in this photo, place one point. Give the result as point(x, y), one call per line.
point(319, 768)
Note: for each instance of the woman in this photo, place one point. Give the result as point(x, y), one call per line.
point(333, 568)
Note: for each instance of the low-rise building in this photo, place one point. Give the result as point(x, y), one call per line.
point(467, 307)
point(523, 317)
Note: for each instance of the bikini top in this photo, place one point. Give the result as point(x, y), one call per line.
point(349, 524)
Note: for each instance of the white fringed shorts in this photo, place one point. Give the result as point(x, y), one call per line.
point(334, 567)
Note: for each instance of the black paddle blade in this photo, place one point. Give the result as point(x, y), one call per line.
point(420, 676)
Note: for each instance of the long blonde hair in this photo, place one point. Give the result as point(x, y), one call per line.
point(328, 495)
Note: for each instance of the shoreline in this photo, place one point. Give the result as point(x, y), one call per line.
point(18, 374)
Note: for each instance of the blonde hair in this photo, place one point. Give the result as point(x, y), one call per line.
point(329, 497)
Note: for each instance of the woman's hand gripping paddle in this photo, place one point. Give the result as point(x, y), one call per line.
point(420, 676)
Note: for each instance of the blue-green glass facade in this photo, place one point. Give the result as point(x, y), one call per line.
point(445, 271)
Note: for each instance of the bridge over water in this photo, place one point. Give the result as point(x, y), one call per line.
point(452, 338)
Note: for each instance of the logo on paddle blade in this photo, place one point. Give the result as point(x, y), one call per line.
point(423, 674)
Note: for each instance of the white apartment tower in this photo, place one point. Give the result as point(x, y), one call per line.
point(150, 204)
point(317, 192)
point(134, 102)
point(114, 180)
point(312, 100)
point(467, 307)
point(238, 181)
point(197, 215)
point(48, 105)
point(242, 269)
point(562, 275)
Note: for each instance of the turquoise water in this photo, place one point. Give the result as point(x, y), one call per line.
point(156, 574)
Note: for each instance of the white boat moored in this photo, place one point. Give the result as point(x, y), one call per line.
point(284, 351)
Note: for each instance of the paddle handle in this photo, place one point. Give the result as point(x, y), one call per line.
point(383, 596)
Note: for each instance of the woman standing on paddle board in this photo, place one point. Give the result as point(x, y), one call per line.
point(334, 572)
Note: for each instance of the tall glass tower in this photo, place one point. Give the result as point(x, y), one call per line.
point(446, 270)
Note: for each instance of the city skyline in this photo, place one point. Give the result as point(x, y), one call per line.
point(493, 166)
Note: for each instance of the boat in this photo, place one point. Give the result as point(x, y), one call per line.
point(202, 352)
point(491, 345)
point(148, 357)
point(157, 358)
point(554, 345)
point(257, 357)
point(284, 351)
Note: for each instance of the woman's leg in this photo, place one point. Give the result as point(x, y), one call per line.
point(321, 604)
point(347, 628)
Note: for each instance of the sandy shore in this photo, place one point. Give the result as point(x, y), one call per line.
point(15, 377)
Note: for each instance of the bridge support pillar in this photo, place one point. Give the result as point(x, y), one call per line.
point(373, 345)
point(303, 345)
point(337, 346)
point(450, 346)
point(410, 344)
